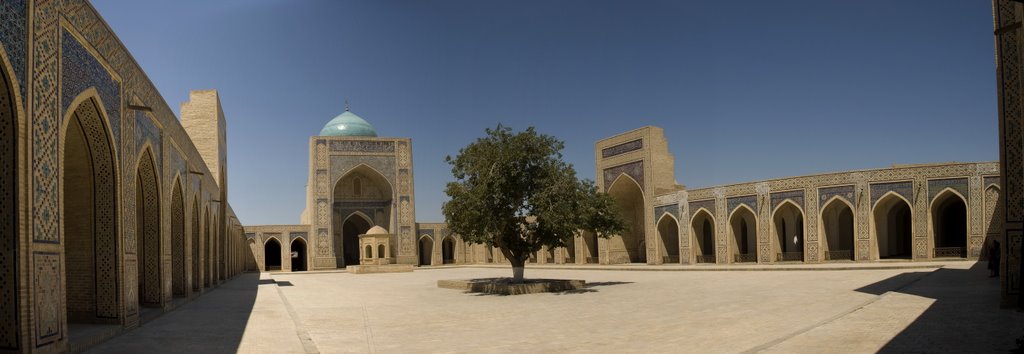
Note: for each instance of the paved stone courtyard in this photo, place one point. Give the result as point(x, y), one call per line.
point(953, 309)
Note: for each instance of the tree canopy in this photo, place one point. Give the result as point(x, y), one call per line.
point(512, 191)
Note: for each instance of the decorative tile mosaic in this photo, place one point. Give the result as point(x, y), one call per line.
point(13, 33)
point(632, 169)
point(385, 165)
point(47, 293)
point(79, 71)
point(147, 131)
point(362, 146)
point(958, 184)
point(796, 196)
point(622, 148)
point(750, 201)
point(425, 232)
point(706, 204)
point(294, 235)
point(905, 189)
point(845, 192)
point(990, 180)
point(671, 209)
point(45, 123)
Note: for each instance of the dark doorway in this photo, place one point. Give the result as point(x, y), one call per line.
point(272, 255)
point(298, 255)
point(354, 226)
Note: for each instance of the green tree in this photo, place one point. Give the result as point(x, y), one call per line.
point(512, 191)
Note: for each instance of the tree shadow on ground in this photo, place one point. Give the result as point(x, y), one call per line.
point(589, 287)
point(964, 317)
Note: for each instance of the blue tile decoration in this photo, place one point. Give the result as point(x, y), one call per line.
point(362, 146)
point(385, 165)
point(294, 235)
point(796, 196)
point(990, 180)
point(13, 36)
point(425, 232)
point(147, 131)
point(671, 209)
point(845, 192)
point(905, 189)
point(750, 201)
point(706, 204)
point(633, 169)
point(80, 71)
point(622, 148)
point(958, 184)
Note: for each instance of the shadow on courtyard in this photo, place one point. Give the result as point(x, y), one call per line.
point(964, 317)
point(587, 288)
point(212, 323)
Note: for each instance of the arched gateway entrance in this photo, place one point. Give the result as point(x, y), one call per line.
point(90, 218)
point(703, 231)
point(272, 255)
point(626, 247)
point(893, 225)
point(298, 255)
point(949, 225)
point(363, 198)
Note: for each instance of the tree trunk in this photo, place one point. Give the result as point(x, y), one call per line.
point(517, 270)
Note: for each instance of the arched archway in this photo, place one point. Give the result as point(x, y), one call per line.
point(949, 225)
point(625, 247)
point(426, 250)
point(207, 243)
point(837, 225)
point(9, 249)
point(893, 223)
point(743, 228)
point(147, 216)
point(668, 232)
point(298, 255)
point(90, 215)
point(271, 255)
point(178, 285)
point(362, 198)
point(448, 251)
point(196, 256)
point(788, 222)
point(347, 242)
point(382, 251)
point(590, 241)
point(703, 230)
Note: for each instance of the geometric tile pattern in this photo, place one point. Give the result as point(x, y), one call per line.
point(905, 189)
point(79, 71)
point(8, 216)
point(958, 184)
point(750, 201)
point(47, 293)
point(632, 169)
point(45, 124)
point(671, 209)
point(796, 196)
point(13, 32)
point(709, 205)
point(622, 148)
point(845, 192)
point(150, 239)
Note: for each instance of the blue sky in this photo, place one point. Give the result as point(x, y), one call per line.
point(744, 90)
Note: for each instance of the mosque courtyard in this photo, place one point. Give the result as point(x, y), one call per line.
point(891, 307)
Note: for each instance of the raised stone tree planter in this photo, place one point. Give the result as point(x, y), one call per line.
point(504, 286)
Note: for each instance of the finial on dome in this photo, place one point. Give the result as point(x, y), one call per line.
point(346, 105)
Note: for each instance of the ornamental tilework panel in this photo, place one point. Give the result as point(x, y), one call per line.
point(845, 192)
point(425, 232)
point(632, 169)
point(671, 209)
point(340, 165)
point(403, 209)
point(750, 201)
point(796, 196)
point(46, 290)
point(362, 146)
point(990, 180)
point(405, 239)
point(706, 204)
point(80, 71)
point(45, 123)
point(958, 184)
point(295, 235)
point(13, 32)
point(1010, 91)
point(905, 189)
point(249, 235)
point(622, 148)
point(147, 131)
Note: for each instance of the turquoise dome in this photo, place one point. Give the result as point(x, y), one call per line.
point(348, 124)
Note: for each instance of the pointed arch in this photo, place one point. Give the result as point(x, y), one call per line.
point(743, 232)
point(90, 213)
point(272, 254)
point(179, 287)
point(148, 229)
point(702, 226)
point(346, 242)
point(447, 250)
point(668, 232)
point(206, 249)
point(627, 246)
point(788, 228)
point(299, 254)
point(373, 205)
point(196, 241)
point(948, 214)
point(892, 225)
point(426, 248)
point(12, 143)
point(838, 229)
